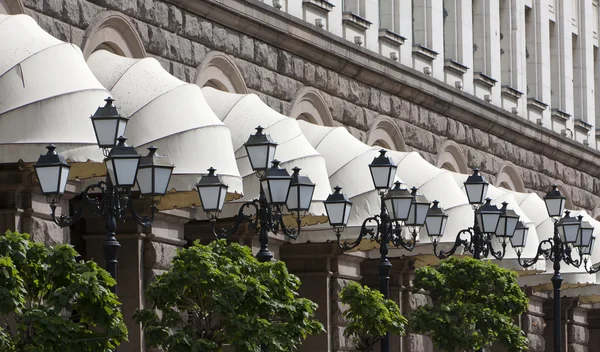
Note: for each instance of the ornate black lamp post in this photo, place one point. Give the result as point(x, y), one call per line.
point(400, 209)
point(570, 234)
point(277, 189)
point(124, 167)
point(489, 222)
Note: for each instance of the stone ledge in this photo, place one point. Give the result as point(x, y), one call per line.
point(391, 37)
point(289, 33)
point(354, 20)
point(560, 115)
point(321, 5)
point(537, 105)
point(483, 79)
point(456, 67)
point(424, 52)
point(511, 92)
point(582, 125)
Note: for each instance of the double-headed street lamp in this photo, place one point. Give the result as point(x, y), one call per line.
point(277, 189)
point(489, 222)
point(400, 209)
point(111, 198)
point(570, 234)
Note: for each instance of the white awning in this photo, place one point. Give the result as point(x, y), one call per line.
point(243, 113)
point(47, 94)
point(174, 116)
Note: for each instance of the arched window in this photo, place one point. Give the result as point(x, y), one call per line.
point(509, 178)
point(385, 133)
point(309, 105)
point(11, 7)
point(113, 31)
point(219, 71)
point(450, 157)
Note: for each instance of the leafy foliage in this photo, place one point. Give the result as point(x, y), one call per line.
point(474, 304)
point(370, 316)
point(220, 294)
point(50, 302)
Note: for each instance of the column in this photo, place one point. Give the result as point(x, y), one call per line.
point(512, 56)
point(561, 33)
point(324, 271)
point(486, 50)
point(406, 30)
point(428, 37)
point(458, 44)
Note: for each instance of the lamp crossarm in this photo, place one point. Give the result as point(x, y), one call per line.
point(496, 254)
point(457, 243)
point(239, 220)
point(145, 221)
point(347, 245)
point(88, 202)
point(542, 250)
point(568, 257)
point(399, 241)
point(278, 222)
point(592, 269)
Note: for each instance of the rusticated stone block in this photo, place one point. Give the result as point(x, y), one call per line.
point(200, 52)
point(579, 335)
point(53, 8)
point(385, 104)
point(533, 324)
point(46, 232)
point(309, 74)
point(145, 10)
point(577, 348)
point(142, 29)
point(337, 285)
point(158, 255)
point(290, 65)
point(161, 14)
point(416, 300)
point(267, 81)
point(332, 83)
point(226, 41)
point(178, 70)
point(536, 343)
point(265, 55)
point(418, 343)
point(337, 313)
point(175, 19)
point(400, 108)
point(157, 41)
point(247, 48)
point(285, 87)
point(71, 12)
point(186, 52)
point(250, 73)
point(374, 97)
point(274, 103)
point(37, 5)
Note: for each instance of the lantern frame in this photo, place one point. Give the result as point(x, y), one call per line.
point(487, 215)
point(383, 166)
point(155, 163)
point(474, 195)
point(299, 185)
point(418, 210)
point(337, 197)
point(122, 152)
point(555, 202)
point(52, 160)
point(395, 202)
point(102, 117)
point(213, 182)
point(434, 227)
point(568, 228)
point(584, 235)
point(508, 222)
point(260, 140)
point(267, 182)
point(519, 239)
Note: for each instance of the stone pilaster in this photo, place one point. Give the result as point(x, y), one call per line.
point(594, 328)
point(533, 324)
point(324, 271)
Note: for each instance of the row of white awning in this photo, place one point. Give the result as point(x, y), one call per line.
point(48, 92)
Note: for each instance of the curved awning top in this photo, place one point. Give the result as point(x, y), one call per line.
point(47, 94)
point(174, 116)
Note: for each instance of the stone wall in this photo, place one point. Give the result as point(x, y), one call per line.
point(180, 40)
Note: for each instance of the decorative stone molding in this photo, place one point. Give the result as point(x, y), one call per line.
point(219, 71)
point(560, 115)
point(582, 126)
point(113, 31)
point(451, 157)
point(355, 21)
point(322, 5)
point(424, 52)
point(484, 80)
point(309, 103)
point(11, 7)
point(455, 67)
point(510, 178)
point(386, 133)
point(391, 37)
point(538, 105)
point(511, 92)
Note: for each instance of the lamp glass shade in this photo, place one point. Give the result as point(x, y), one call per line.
point(488, 217)
point(476, 187)
point(383, 171)
point(435, 223)
point(338, 208)
point(418, 210)
point(300, 193)
point(52, 171)
point(508, 222)
point(555, 202)
point(519, 239)
point(397, 202)
point(587, 250)
point(586, 231)
point(260, 149)
point(122, 164)
point(108, 124)
point(212, 192)
point(568, 228)
point(276, 184)
point(154, 174)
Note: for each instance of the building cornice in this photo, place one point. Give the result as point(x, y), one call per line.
point(263, 22)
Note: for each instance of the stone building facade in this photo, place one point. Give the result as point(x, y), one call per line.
point(496, 86)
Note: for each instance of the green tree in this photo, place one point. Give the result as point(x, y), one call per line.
point(369, 316)
point(220, 294)
point(474, 305)
point(51, 302)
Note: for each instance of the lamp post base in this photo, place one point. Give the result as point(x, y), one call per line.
point(264, 255)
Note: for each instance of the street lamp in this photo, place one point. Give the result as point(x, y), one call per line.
point(489, 222)
point(277, 189)
point(124, 167)
point(570, 234)
point(399, 209)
